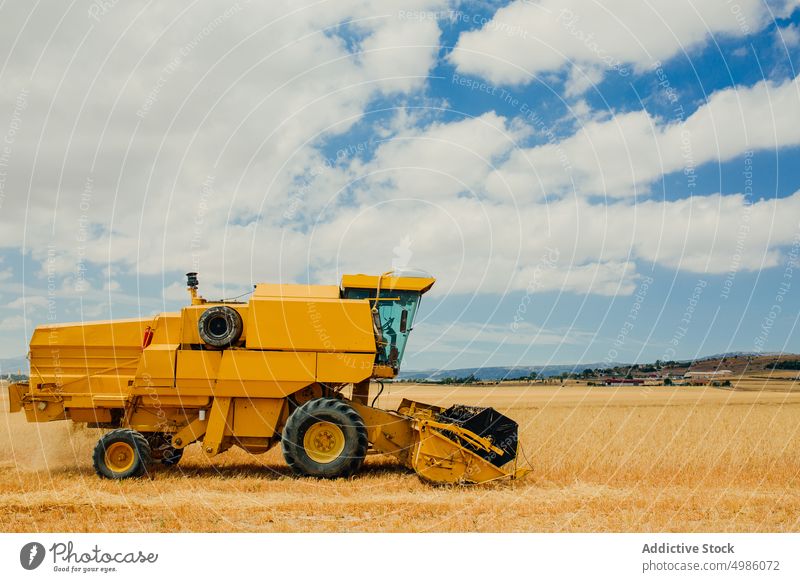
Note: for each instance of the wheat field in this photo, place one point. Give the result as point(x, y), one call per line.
point(604, 459)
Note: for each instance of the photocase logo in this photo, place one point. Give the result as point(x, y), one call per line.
point(31, 555)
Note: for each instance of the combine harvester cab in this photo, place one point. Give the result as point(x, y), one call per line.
point(292, 366)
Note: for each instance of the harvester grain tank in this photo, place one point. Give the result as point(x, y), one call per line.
point(294, 365)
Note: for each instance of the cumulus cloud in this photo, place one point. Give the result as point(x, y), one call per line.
point(617, 35)
point(568, 246)
point(15, 322)
point(28, 301)
point(788, 35)
point(190, 137)
point(472, 338)
point(621, 156)
point(581, 78)
point(158, 139)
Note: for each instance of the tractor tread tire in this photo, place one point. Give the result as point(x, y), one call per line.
point(140, 445)
point(337, 412)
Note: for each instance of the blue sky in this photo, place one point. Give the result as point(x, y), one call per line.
point(588, 183)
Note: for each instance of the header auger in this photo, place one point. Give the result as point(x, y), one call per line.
point(275, 369)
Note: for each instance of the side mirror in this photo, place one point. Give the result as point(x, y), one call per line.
point(404, 321)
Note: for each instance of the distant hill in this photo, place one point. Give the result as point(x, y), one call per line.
point(505, 372)
point(742, 355)
point(741, 362)
point(737, 362)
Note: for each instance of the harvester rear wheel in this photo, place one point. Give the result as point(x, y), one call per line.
point(325, 438)
point(121, 453)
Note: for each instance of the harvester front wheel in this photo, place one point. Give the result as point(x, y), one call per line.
point(121, 453)
point(326, 438)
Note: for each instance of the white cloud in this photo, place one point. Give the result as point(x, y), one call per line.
point(175, 292)
point(429, 190)
point(118, 131)
point(15, 322)
point(224, 172)
point(468, 337)
point(623, 155)
point(613, 35)
point(442, 159)
point(476, 247)
point(582, 78)
point(28, 301)
point(788, 35)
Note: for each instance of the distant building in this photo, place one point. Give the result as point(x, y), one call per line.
point(621, 381)
point(708, 375)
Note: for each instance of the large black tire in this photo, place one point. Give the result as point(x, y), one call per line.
point(220, 326)
point(325, 438)
point(121, 453)
point(161, 449)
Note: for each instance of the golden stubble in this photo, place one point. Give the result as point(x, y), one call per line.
point(604, 459)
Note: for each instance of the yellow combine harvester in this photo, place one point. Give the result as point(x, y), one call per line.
point(273, 369)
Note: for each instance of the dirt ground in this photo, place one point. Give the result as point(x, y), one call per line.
point(604, 459)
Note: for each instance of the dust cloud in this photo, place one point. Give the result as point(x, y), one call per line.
point(48, 446)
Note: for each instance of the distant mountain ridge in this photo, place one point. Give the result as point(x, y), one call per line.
point(737, 355)
point(547, 371)
point(505, 372)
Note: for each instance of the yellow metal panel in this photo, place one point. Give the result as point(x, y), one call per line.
point(176, 400)
point(232, 388)
point(257, 417)
point(190, 433)
point(83, 401)
point(44, 411)
point(106, 400)
point(305, 291)
point(240, 366)
point(155, 419)
point(167, 328)
point(421, 284)
point(324, 325)
point(218, 425)
point(269, 389)
point(119, 333)
point(69, 353)
point(197, 368)
point(94, 384)
point(191, 315)
point(388, 432)
point(15, 393)
point(157, 366)
point(343, 368)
